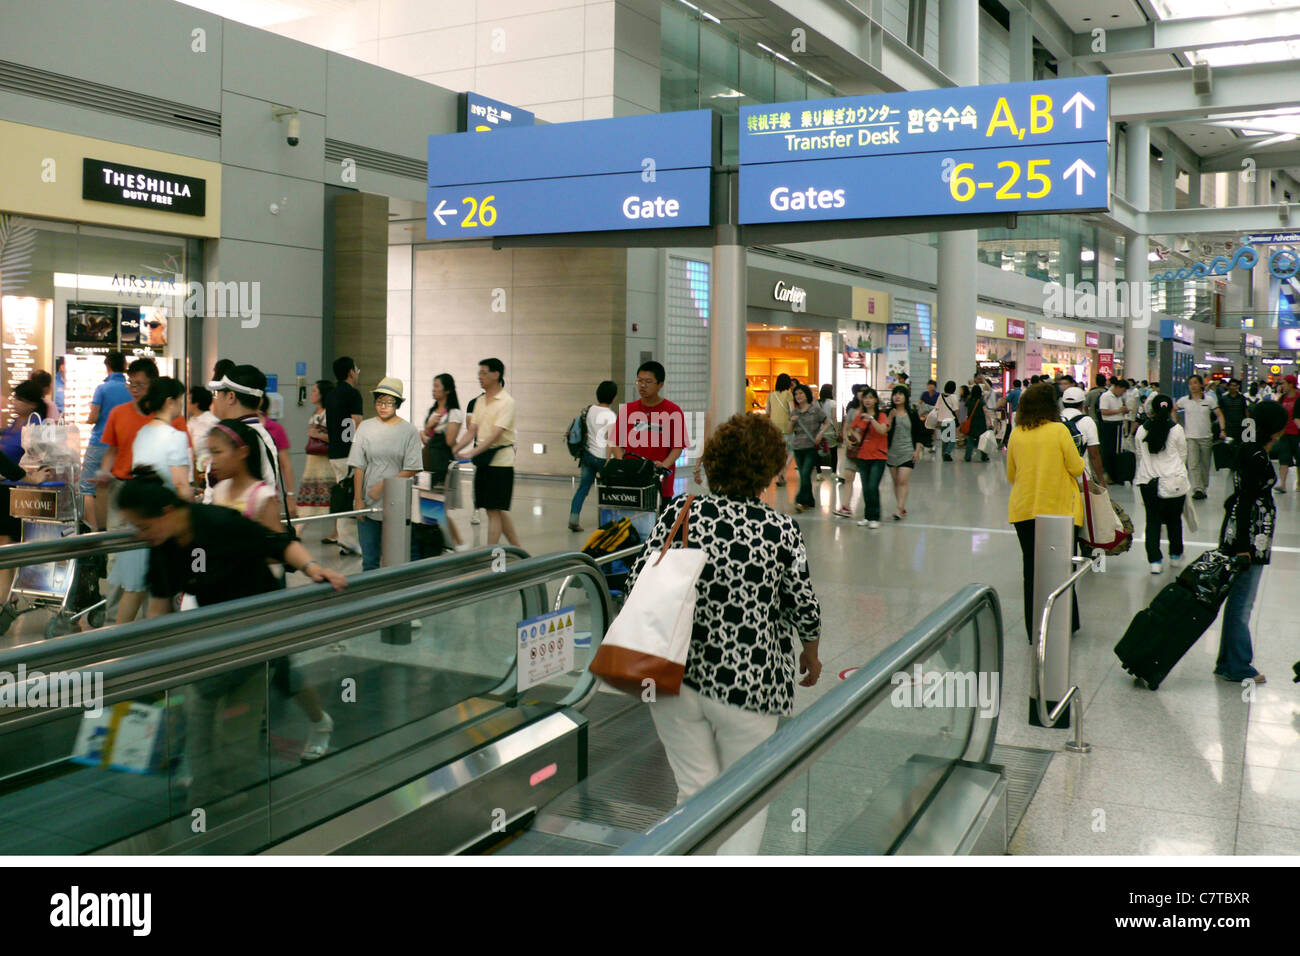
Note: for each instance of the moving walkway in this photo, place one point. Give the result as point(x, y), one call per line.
point(436, 750)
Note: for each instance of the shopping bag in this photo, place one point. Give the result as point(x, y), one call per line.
point(988, 443)
point(646, 644)
point(1189, 515)
point(1102, 528)
point(932, 419)
point(49, 445)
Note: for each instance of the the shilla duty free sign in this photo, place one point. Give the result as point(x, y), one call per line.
point(631, 172)
point(102, 181)
point(1013, 147)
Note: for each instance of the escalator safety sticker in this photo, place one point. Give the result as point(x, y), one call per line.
point(545, 648)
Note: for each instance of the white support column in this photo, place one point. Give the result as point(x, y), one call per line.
point(955, 322)
point(1138, 173)
point(727, 308)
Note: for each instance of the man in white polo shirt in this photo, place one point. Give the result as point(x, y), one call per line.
point(1195, 408)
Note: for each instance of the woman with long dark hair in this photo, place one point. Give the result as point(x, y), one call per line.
point(976, 414)
point(1163, 479)
point(906, 440)
point(318, 473)
point(442, 425)
point(1248, 520)
point(780, 402)
point(868, 437)
point(1044, 466)
point(808, 427)
point(166, 451)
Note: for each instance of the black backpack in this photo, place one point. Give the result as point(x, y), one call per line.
point(1079, 441)
point(575, 436)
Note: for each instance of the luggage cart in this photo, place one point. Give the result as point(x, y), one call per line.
point(49, 511)
point(638, 501)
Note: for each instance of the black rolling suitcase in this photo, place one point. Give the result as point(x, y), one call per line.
point(1125, 467)
point(1160, 634)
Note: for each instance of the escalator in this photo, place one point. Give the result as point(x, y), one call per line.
point(435, 750)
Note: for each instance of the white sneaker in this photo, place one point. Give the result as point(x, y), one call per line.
point(863, 523)
point(318, 741)
point(1156, 567)
point(473, 519)
point(873, 524)
point(1175, 560)
point(463, 546)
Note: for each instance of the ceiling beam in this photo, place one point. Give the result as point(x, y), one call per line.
point(1048, 28)
point(1168, 94)
point(1230, 160)
point(1191, 33)
point(852, 36)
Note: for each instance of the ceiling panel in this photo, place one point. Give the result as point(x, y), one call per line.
point(1083, 16)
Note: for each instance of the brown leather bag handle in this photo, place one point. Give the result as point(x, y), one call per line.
point(682, 522)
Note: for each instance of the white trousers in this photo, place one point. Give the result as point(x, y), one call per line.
point(704, 737)
point(347, 526)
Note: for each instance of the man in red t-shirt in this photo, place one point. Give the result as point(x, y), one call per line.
point(119, 434)
point(1287, 448)
point(651, 427)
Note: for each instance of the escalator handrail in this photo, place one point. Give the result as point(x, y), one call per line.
point(190, 660)
point(117, 640)
point(725, 804)
point(94, 543)
point(24, 553)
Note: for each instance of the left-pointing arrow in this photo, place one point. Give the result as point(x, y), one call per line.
point(442, 210)
point(1077, 169)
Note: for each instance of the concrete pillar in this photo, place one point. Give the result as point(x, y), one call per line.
point(1136, 323)
point(1022, 47)
point(1194, 189)
point(360, 270)
point(727, 307)
point(1260, 279)
point(959, 41)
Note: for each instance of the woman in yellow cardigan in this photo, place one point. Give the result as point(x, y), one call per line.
point(1043, 465)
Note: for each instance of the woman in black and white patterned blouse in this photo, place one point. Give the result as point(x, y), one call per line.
point(755, 603)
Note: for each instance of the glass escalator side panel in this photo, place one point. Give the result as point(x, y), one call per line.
point(861, 795)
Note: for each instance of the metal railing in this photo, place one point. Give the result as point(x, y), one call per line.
point(1045, 717)
point(78, 651)
point(604, 559)
point(704, 822)
point(331, 617)
point(94, 543)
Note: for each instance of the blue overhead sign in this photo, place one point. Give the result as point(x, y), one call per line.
point(1045, 179)
point(625, 144)
point(634, 172)
point(1014, 147)
point(964, 117)
point(478, 114)
point(678, 197)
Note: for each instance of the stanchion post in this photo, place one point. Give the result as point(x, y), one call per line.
point(396, 543)
point(1053, 551)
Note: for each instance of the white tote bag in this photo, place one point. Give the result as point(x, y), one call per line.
point(988, 443)
point(649, 639)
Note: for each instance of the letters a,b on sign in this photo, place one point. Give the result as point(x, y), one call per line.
point(544, 648)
